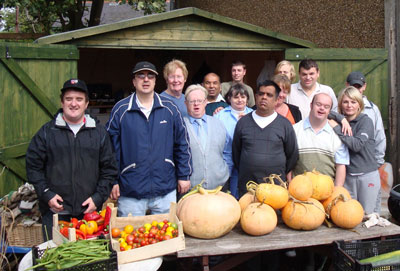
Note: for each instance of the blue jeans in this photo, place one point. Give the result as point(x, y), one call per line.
point(138, 207)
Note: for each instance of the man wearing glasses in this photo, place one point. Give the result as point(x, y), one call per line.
point(209, 143)
point(152, 148)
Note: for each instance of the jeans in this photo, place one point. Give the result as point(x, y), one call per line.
point(139, 207)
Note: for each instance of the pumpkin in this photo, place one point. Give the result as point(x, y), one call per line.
point(246, 199)
point(322, 185)
point(303, 215)
point(346, 213)
point(301, 187)
point(269, 193)
point(258, 219)
point(337, 190)
point(208, 214)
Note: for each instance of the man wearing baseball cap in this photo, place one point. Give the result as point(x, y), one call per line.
point(358, 80)
point(152, 148)
point(70, 160)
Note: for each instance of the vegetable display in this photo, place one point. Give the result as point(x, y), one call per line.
point(72, 254)
point(208, 214)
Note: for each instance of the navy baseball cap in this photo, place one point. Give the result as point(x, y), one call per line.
point(144, 66)
point(356, 78)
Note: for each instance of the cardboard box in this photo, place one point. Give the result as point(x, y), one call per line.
point(149, 251)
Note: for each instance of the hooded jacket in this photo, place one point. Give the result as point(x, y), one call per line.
point(75, 167)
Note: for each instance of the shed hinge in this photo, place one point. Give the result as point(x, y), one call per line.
point(8, 55)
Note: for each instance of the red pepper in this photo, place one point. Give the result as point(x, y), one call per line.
point(80, 234)
point(107, 217)
point(74, 222)
point(63, 224)
point(100, 221)
point(64, 231)
point(92, 216)
point(79, 224)
point(100, 227)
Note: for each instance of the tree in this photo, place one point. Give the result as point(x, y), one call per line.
point(51, 16)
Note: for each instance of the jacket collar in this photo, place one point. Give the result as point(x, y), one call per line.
point(134, 106)
point(89, 121)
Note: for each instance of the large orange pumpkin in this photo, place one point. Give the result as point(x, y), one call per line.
point(307, 215)
point(258, 219)
point(322, 185)
point(346, 213)
point(337, 190)
point(207, 214)
point(274, 195)
point(301, 187)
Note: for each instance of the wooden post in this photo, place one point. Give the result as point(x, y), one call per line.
point(392, 31)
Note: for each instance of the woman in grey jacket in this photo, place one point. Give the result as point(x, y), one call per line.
point(362, 176)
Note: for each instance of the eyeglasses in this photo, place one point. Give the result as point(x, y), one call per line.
point(143, 75)
point(177, 77)
point(196, 101)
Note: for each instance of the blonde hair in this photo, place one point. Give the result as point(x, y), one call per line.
point(282, 79)
point(292, 75)
point(353, 94)
point(172, 66)
point(194, 87)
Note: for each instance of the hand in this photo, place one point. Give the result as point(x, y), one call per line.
point(183, 186)
point(115, 192)
point(55, 205)
point(217, 110)
point(90, 205)
point(333, 123)
point(346, 129)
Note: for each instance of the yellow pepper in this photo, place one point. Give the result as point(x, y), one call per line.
point(83, 228)
point(103, 213)
point(91, 227)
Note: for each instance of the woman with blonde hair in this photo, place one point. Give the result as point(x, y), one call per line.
point(286, 68)
point(362, 176)
point(289, 111)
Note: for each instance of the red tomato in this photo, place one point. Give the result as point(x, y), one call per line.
point(167, 237)
point(142, 243)
point(165, 221)
point(151, 235)
point(141, 235)
point(162, 232)
point(135, 240)
point(146, 235)
point(129, 239)
point(153, 241)
point(141, 230)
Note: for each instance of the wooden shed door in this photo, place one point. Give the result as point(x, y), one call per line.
point(31, 79)
point(336, 64)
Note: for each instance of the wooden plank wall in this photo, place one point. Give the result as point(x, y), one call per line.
point(31, 79)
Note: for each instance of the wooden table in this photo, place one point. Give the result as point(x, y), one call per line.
point(238, 242)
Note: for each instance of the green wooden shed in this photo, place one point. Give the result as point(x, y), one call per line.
point(104, 56)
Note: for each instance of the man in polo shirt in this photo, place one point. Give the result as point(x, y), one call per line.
point(152, 148)
point(238, 72)
point(319, 146)
point(303, 92)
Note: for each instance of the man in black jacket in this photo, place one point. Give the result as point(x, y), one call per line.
point(70, 160)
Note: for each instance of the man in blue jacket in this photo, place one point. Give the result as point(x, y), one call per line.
point(152, 148)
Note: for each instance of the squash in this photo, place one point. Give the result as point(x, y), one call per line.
point(269, 193)
point(346, 213)
point(301, 187)
point(208, 214)
point(303, 215)
point(249, 197)
point(258, 219)
point(322, 185)
point(337, 190)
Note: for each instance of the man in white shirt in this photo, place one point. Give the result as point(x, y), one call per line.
point(303, 92)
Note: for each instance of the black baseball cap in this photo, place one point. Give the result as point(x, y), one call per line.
point(75, 84)
point(356, 78)
point(144, 66)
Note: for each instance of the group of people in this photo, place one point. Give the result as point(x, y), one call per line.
point(156, 147)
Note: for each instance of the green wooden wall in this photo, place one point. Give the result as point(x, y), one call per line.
point(336, 64)
point(31, 79)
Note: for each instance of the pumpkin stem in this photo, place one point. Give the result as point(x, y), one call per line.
point(203, 191)
point(194, 190)
point(278, 177)
point(305, 202)
point(251, 186)
point(334, 202)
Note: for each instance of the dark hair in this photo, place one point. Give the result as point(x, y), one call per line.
point(63, 94)
point(308, 64)
point(239, 63)
point(268, 83)
point(236, 89)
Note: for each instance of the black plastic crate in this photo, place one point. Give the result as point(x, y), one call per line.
point(347, 254)
point(110, 264)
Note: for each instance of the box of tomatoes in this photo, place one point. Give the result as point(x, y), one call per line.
point(137, 238)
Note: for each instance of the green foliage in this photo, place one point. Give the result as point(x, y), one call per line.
point(50, 16)
point(147, 6)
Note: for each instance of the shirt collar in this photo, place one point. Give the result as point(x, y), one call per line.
point(307, 125)
point(193, 120)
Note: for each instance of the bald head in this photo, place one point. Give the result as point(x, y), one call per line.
point(213, 85)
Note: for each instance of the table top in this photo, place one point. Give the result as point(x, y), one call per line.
point(237, 241)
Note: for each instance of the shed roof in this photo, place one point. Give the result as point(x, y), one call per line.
point(188, 28)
